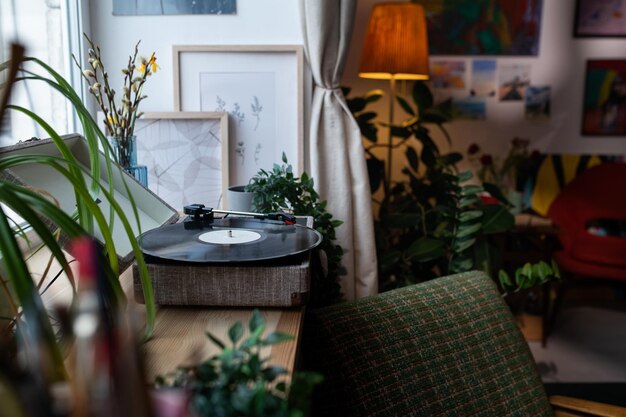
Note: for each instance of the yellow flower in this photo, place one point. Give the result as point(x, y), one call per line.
point(152, 63)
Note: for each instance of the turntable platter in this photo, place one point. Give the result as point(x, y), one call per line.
point(231, 239)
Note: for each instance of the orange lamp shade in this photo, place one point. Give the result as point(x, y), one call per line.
point(396, 43)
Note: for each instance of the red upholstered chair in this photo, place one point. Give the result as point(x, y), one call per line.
point(595, 197)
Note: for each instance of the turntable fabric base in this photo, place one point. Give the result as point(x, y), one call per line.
point(284, 283)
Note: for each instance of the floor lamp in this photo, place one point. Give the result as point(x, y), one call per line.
point(395, 48)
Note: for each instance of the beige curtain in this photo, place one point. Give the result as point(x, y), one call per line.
point(337, 162)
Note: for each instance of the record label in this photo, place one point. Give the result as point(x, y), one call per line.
point(229, 236)
point(231, 239)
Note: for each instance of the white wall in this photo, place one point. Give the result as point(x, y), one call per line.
point(560, 64)
point(256, 22)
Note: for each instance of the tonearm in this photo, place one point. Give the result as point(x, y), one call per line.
point(201, 212)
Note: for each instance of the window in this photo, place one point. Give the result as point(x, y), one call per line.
point(51, 31)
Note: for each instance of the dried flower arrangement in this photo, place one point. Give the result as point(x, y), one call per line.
point(119, 117)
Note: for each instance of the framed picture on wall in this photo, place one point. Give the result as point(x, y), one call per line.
point(186, 156)
point(173, 7)
point(600, 18)
point(604, 108)
point(260, 87)
point(486, 27)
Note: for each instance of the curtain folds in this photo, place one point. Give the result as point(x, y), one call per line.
point(337, 161)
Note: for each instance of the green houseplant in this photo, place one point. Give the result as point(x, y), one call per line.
point(30, 321)
point(281, 189)
point(431, 221)
point(239, 382)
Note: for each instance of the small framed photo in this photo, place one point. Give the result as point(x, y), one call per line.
point(186, 156)
point(600, 18)
point(604, 108)
point(260, 87)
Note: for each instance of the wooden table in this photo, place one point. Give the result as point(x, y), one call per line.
point(179, 336)
point(180, 333)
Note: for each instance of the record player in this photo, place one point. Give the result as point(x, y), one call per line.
point(239, 259)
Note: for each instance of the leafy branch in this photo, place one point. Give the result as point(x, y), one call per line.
point(239, 382)
point(281, 189)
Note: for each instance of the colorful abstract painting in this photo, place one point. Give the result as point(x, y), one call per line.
point(483, 27)
point(604, 110)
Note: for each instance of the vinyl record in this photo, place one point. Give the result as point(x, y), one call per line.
point(233, 239)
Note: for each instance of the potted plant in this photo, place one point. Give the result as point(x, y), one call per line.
point(524, 292)
point(30, 321)
point(281, 189)
point(429, 222)
point(238, 380)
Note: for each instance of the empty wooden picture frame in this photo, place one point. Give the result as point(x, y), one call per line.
point(260, 86)
point(186, 156)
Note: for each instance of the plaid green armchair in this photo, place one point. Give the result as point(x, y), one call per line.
point(447, 347)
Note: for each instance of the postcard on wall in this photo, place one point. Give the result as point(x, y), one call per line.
point(483, 82)
point(512, 81)
point(537, 105)
point(470, 108)
point(173, 7)
point(448, 74)
point(484, 27)
point(597, 18)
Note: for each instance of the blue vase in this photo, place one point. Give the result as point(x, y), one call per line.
point(125, 149)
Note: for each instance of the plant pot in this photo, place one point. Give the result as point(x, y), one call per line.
point(238, 199)
point(170, 402)
point(531, 326)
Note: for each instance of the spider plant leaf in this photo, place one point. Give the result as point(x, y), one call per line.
point(37, 331)
point(17, 204)
point(92, 135)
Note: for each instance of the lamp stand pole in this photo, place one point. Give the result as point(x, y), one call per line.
point(392, 98)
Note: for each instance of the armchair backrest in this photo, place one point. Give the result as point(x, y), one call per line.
point(597, 194)
point(447, 347)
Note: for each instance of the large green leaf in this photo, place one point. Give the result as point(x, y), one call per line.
point(495, 192)
point(412, 157)
point(96, 139)
point(425, 249)
point(36, 331)
point(405, 105)
point(376, 172)
point(422, 96)
point(497, 219)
